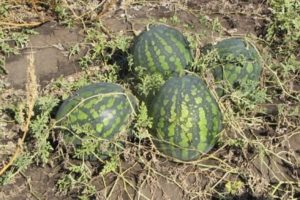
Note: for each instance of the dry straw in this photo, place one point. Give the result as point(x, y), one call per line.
point(31, 96)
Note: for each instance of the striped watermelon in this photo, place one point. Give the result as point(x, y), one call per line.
point(105, 108)
point(161, 49)
point(186, 118)
point(238, 61)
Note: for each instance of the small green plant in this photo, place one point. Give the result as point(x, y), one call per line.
point(64, 15)
point(239, 143)
point(248, 96)
point(111, 165)
point(174, 19)
point(5, 48)
point(20, 165)
point(234, 187)
point(20, 40)
point(163, 20)
point(284, 29)
point(290, 66)
point(143, 123)
point(74, 50)
point(201, 64)
point(148, 84)
point(11, 43)
point(41, 128)
point(4, 7)
point(213, 24)
point(216, 25)
point(102, 49)
point(78, 177)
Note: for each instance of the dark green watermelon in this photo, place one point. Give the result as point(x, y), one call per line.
point(106, 109)
point(161, 49)
point(186, 118)
point(238, 61)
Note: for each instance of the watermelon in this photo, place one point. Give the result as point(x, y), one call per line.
point(105, 109)
point(161, 49)
point(238, 61)
point(186, 118)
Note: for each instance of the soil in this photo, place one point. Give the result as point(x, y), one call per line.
point(50, 51)
point(49, 47)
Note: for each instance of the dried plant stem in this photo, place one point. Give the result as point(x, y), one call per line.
point(31, 95)
point(10, 25)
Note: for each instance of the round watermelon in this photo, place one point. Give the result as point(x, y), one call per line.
point(186, 118)
point(161, 49)
point(238, 61)
point(104, 109)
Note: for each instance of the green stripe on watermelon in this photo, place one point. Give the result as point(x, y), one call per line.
point(191, 120)
point(238, 61)
point(161, 49)
point(181, 49)
point(104, 107)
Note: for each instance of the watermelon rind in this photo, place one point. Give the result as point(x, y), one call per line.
point(186, 118)
point(162, 49)
point(238, 61)
point(103, 110)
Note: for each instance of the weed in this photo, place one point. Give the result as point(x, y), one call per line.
point(63, 15)
point(248, 96)
point(110, 166)
point(284, 29)
point(20, 165)
point(290, 66)
point(163, 20)
point(40, 128)
point(4, 9)
point(213, 25)
point(5, 48)
point(239, 143)
point(234, 187)
point(101, 49)
point(74, 50)
point(19, 39)
point(148, 84)
point(174, 19)
point(216, 25)
point(143, 120)
point(202, 62)
point(11, 43)
point(78, 178)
